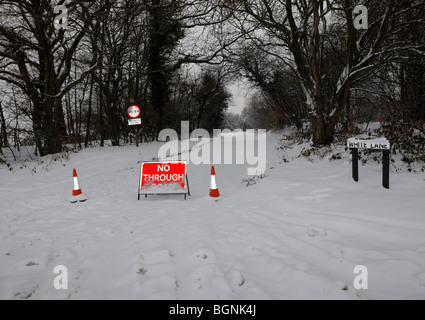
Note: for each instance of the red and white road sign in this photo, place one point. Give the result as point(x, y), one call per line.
point(163, 178)
point(133, 112)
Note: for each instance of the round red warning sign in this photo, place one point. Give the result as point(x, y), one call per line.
point(134, 112)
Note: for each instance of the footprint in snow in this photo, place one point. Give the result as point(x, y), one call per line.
point(315, 231)
point(205, 254)
point(235, 278)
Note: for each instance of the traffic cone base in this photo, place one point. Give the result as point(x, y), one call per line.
point(76, 192)
point(214, 193)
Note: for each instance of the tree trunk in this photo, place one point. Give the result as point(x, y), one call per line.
point(53, 113)
point(164, 35)
point(101, 121)
point(324, 123)
point(3, 132)
point(323, 133)
point(154, 64)
point(86, 142)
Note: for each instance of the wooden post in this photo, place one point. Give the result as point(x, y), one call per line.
point(355, 160)
point(386, 169)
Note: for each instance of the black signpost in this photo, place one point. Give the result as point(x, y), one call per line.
point(379, 144)
point(386, 169)
point(134, 114)
point(355, 154)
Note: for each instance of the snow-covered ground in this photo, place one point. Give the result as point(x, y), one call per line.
point(298, 233)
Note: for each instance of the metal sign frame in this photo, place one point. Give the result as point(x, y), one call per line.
point(146, 194)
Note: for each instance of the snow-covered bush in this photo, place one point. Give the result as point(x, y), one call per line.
point(408, 140)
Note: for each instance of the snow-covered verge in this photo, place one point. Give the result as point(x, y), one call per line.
point(298, 232)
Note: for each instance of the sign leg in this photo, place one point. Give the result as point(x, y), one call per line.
point(355, 160)
point(187, 182)
point(386, 169)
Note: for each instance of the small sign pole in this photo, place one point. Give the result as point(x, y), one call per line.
point(134, 114)
point(355, 160)
point(386, 169)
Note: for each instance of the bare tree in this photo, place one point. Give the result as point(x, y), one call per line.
point(201, 99)
point(302, 35)
point(118, 39)
point(282, 96)
point(37, 58)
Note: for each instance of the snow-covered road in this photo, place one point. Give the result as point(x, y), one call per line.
point(296, 234)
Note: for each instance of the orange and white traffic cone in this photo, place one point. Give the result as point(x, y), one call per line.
point(77, 194)
point(214, 193)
